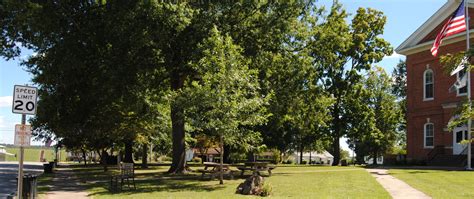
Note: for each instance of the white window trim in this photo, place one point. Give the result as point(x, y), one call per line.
point(424, 85)
point(424, 136)
point(457, 90)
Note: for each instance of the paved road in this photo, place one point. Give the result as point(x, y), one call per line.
point(9, 172)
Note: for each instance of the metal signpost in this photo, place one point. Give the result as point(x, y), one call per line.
point(24, 103)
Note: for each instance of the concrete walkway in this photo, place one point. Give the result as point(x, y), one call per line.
point(65, 185)
point(397, 188)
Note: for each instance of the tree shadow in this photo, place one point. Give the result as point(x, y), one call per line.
point(161, 185)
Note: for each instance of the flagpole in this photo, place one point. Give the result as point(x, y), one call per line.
point(469, 121)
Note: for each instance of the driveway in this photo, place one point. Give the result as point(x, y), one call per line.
point(9, 173)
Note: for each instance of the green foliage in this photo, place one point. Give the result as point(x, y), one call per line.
point(197, 160)
point(464, 112)
point(111, 73)
point(226, 97)
point(267, 189)
point(341, 51)
point(381, 116)
point(345, 155)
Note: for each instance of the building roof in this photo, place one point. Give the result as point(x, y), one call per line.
point(414, 44)
point(324, 154)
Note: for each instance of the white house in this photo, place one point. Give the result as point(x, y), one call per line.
point(314, 157)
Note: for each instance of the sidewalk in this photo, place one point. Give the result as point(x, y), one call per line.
point(395, 187)
point(66, 186)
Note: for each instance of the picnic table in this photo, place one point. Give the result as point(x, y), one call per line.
point(213, 169)
point(256, 167)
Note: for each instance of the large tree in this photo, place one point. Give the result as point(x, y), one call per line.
point(399, 89)
point(94, 67)
point(379, 115)
point(226, 96)
point(342, 51)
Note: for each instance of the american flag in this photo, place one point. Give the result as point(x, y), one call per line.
point(455, 25)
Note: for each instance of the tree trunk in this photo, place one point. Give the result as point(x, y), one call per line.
point(128, 151)
point(301, 153)
point(84, 156)
point(336, 151)
point(227, 154)
point(145, 156)
point(221, 170)
point(178, 164)
point(250, 157)
point(103, 159)
point(310, 157)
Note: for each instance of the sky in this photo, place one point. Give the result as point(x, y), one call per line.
point(403, 18)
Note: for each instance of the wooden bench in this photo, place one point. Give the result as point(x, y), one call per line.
point(127, 173)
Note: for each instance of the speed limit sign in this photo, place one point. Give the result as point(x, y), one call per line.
point(24, 100)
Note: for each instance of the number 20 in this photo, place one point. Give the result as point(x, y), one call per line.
point(30, 106)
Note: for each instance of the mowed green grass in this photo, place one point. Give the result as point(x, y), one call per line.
point(295, 182)
point(438, 184)
point(33, 154)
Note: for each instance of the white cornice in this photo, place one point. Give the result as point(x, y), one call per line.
point(427, 45)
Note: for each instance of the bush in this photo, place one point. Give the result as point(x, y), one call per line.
point(304, 162)
point(197, 160)
point(276, 156)
point(288, 162)
point(267, 189)
point(166, 159)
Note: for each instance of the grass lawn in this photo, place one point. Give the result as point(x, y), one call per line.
point(287, 181)
point(32, 154)
point(438, 184)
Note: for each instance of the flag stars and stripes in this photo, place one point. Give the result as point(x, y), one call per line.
point(456, 24)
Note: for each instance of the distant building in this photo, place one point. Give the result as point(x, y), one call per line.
point(314, 157)
point(429, 104)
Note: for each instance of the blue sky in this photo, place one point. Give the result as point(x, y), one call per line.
point(403, 18)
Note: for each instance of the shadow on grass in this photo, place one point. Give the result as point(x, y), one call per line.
point(161, 185)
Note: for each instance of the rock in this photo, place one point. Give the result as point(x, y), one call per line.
point(252, 186)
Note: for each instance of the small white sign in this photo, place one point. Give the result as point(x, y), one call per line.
point(22, 135)
point(24, 100)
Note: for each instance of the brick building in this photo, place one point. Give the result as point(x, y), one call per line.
point(430, 105)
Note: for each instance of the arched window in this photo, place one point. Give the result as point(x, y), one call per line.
point(428, 85)
point(428, 135)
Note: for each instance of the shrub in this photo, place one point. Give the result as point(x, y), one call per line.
point(166, 159)
point(267, 189)
point(197, 159)
point(276, 156)
point(304, 162)
point(288, 162)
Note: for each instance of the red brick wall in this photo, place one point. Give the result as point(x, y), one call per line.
point(419, 110)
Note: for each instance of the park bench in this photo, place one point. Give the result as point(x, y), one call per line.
point(213, 169)
point(256, 167)
point(127, 173)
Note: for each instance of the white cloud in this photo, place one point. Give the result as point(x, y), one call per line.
point(6, 101)
point(394, 55)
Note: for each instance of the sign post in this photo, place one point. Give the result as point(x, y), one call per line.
point(24, 102)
